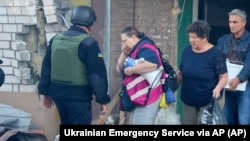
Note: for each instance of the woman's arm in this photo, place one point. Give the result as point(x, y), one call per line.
point(120, 62)
point(223, 78)
point(125, 51)
point(179, 78)
point(140, 68)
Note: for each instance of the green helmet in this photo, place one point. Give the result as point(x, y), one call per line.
point(83, 15)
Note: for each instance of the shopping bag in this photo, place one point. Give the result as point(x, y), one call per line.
point(212, 114)
point(167, 116)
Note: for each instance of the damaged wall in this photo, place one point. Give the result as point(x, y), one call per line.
point(26, 26)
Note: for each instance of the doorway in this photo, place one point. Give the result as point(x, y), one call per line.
point(216, 13)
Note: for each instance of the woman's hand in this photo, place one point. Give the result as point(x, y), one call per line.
point(216, 93)
point(125, 49)
point(128, 71)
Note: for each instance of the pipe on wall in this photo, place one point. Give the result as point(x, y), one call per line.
point(106, 40)
point(134, 12)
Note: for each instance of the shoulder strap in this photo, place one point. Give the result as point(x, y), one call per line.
point(150, 46)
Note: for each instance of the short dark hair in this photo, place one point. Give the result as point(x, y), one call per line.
point(200, 28)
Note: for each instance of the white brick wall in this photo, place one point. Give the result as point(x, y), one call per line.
point(18, 45)
point(9, 54)
point(28, 88)
point(23, 73)
point(11, 19)
point(9, 27)
point(29, 11)
point(33, 20)
point(50, 10)
point(5, 36)
point(23, 28)
point(11, 79)
point(18, 64)
point(6, 61)
point(3, 19)
point(15, 20)
point(51, 19)
point(5, 44)
point(6, 88)
point(26, 19)
point(7, 70)
point(14, 11)
point(5, 2)
point(48, 2)
point(23, 55)
point(17, 37)
point(15, 88)
point(3, 11)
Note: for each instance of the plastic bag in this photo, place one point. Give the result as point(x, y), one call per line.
point(170, 97)
point(11, 134)
point(163, 103)
point(167, 99)
point(167, 116)
point(212, 114)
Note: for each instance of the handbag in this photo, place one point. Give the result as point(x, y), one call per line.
point(212, 114)
point(126, 104)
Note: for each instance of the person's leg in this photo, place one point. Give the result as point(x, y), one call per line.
point(62, 111)
point(189, 115)
point(79, 112)
point(230, 106)
point(146, 114)
point(74, 112)
point(243, 99)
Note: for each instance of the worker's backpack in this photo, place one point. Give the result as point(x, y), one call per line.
point(171, 80)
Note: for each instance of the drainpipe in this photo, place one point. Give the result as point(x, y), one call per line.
point(106, 50)
point(134, 13)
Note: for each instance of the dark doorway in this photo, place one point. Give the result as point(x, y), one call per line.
point(216, 13)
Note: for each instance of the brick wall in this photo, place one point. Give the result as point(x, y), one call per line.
point(18, 19)
point(154, 18)
point(13, 25)
point(26, 26)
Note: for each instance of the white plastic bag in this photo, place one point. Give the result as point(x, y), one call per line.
point(167, 116)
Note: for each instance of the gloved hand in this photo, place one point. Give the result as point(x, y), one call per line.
point(129, 62)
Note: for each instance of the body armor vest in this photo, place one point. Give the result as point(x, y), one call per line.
point(66, 67)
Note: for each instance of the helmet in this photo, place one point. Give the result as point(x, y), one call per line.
point(83, 15)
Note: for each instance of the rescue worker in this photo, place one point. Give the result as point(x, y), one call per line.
point(73, 70)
